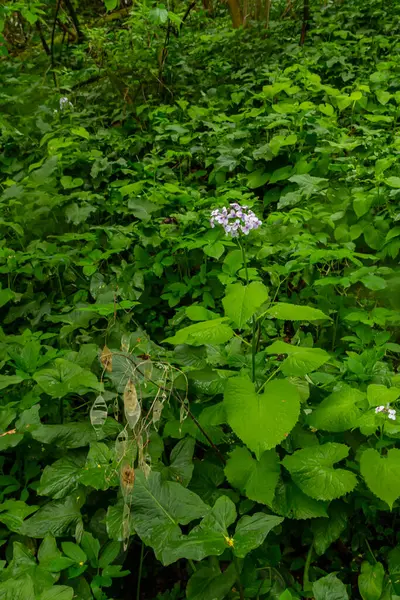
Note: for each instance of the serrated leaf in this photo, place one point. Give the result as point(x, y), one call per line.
point(158, 507)
point(293, 312)
point(242, 301)
point(256, 479)
point(215, 331)
point(301, 360)
point(329, 588)
point(327, 531)
point(312, 470)
point(382, 474)
point(261, 420)
point(339, 411)
point(292, 503)
point(370, 581)
point(381, 395)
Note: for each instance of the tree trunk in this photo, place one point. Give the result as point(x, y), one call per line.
point(306, 18)
point(236, 13)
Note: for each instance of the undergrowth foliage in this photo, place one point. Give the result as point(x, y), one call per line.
point(200, 303)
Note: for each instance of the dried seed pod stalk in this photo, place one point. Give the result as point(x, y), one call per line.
point(106, 359)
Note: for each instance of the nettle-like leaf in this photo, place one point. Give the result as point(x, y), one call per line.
point(158, 507)
point(338, 412)
point(211, 537)
point(293, 312)
point(382, 474)
point(300, 360)
point(242, 301)
point(211, 332)
point(261, 420)
point(329, 588)
point(257, 479)
point(312, 470)
point(292, 503)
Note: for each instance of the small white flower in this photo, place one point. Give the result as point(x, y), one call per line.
point(65, 103)
point(380, 409)
point(239, 219)
point(392, 414)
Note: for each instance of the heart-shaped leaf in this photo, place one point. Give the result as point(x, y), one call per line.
point(255, 478)
point(312, 470)
point(382, 474)
point(261, 420)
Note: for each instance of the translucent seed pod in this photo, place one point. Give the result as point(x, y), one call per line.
point(106, 359)
point(131, 404)
point(126, 525)
point(98, 413)
point(121, 445)
point(157, 410)
point(127, 480)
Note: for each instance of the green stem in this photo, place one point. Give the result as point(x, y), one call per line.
point(191, 563)
point(140, 573)
point(244, 261)
point(241, 590)
point(61, 409)
point(254, 350)
point(370, 550)
point(306, 580)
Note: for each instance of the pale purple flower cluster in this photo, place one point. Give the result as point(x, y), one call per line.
point(391, 413)
point(235, 220)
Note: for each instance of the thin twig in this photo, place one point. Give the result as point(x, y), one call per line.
point(53, 33)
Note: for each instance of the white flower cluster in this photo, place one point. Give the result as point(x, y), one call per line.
point(236, 220)
point(65, 103)
point(391, 413)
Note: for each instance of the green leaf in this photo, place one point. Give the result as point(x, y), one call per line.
point(7, 380)
point(381, 395)
point(370, 581)
point(210, 584)
point(13, 512)
point(91, 547)
point(62, 477)
point(81, 132)
point(339, 411)
point(158, 507)
point(207, 539)
point(301, 360)
point(48, 551)
point(382, 474)
point(261, 420)
point(111, 4)
point(74, 435)
point(257, 179)
point(158, 15)
point(242, 301)
point(74, 552)
point(65, 378)
point(58, 592)
point(199, 313)
point(21, 589)
point(327, 531)
point(291, 502)
point(5, 296)
point(109, 554)
point(116, 521)
point(256, 479)
point(181, 467)
point(292, 312)
point(329, 588)
point(206, 332)
point(55, 518)
point(312, 470)
point(393, 182)
point(251, 532)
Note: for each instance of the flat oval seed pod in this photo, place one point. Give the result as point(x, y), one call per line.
point(121, 445)
point(131, 404)
point(98, 413)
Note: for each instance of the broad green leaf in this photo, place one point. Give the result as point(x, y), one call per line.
point(257, 178)
point(199, 313)
point(55, 518)
point(62, 477)
point(381, 395)
point(66, 378)
point(158, 15)
point(292, 312)
point(81, 132)
point(58, 592)
point(7, 380)
point(329, 588)
point(292, 503)
point(48, 551)
point(111, 4)
point(394, 568)
point(181, 462)
point(74, 552)
point(116, 516)
point(91, 547)
point(21, 589)
point(210, 584)
point(256, 479)
point(109, 553)
point(5, 296)
point(261, 420)
point(158, 507)
point(393, 182)
point(301, 360)
point(251, 532)
point(339, 411)
point(312, 470)
point(75, 435)
point(327, 531)
point(242, 301)
point(13, 512)
point(215, 331)
point(382, 474)
point(210, 538)
point(370, 581)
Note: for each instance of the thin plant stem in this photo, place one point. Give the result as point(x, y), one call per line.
point(306, 578)
point(61, 409)
point(253, 320)
point(370, 550)
point(241, 590)
point(244, 261)
point(140, 572)
point(193, 566)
